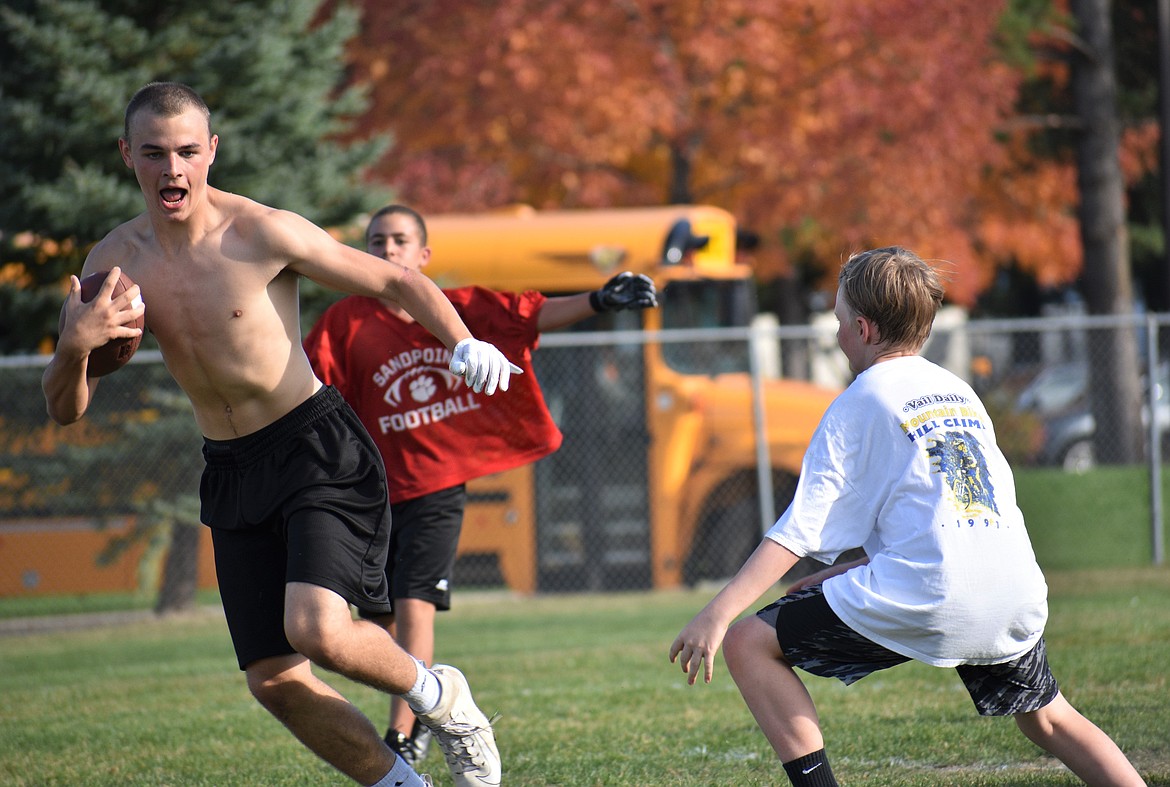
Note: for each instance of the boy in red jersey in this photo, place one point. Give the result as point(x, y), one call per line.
point(434, 434)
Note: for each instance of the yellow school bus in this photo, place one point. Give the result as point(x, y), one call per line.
point(656, 483)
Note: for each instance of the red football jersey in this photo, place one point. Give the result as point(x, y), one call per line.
point(433, 431)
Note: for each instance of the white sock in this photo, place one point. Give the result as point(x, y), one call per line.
point(424, 695)
point(401, 775)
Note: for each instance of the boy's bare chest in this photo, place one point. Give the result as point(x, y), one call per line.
point(204, 293)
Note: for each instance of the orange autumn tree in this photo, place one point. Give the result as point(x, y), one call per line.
point(825, 127)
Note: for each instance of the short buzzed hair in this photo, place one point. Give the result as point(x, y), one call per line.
point(404, 211)
point(895, 289)
point(165, 99)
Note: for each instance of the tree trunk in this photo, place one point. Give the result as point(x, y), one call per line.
point(1114, 378)
point(680, 176)
point(180, 571)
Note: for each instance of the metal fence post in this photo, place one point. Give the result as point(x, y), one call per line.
point(1154, 381)
point(756, 345)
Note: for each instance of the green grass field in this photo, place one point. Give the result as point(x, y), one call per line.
point(586, 697)
point(585, 692)
point(1088, 521)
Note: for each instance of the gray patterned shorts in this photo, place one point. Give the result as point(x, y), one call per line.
point(812, 637)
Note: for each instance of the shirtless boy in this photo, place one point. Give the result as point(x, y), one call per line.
point(293, 489)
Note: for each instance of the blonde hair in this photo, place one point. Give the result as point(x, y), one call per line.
point(897, 291)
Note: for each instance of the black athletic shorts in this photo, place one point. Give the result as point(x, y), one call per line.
point(813, 638)
point(302, 500)
point(423, 542)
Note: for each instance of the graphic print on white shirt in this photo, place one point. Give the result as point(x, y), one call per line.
point(958, 456)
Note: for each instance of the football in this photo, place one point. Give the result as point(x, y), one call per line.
point(114, 354)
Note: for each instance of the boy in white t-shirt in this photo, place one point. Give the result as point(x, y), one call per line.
point(905, 464)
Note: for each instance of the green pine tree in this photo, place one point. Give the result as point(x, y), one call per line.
point(272, 73)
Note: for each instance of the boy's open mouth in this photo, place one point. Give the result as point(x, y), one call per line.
point(173, 198)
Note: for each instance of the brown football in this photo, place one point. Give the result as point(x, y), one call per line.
point(114, 354)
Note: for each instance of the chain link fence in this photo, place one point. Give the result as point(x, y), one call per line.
point(666, 440)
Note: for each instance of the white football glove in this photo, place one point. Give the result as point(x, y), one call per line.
point(482, 366)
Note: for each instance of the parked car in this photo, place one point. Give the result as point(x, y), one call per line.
point(1055, 389)
point(1058, 396)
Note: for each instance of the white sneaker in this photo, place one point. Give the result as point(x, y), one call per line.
point(463, 732)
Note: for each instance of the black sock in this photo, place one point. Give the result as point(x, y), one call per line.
point(811, 770)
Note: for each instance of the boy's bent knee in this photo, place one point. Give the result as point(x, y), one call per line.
point(275, 682)
point(1042, 724)
point(316, 622)
point(1035, 726)
point(748, 638)
point(319, 645)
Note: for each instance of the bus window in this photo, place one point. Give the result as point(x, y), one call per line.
point(709, 303)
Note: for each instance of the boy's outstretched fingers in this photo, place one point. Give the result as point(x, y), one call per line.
point(690, 660)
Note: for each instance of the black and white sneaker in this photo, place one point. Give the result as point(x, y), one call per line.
point(412, 749)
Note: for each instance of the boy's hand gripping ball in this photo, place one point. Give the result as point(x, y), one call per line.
point(114, 354)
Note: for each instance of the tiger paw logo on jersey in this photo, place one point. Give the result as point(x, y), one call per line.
point(423, 389)
point(959, 457)
point(420, 385)
point(440, 393)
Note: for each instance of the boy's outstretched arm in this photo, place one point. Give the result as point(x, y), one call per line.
point(697, 643)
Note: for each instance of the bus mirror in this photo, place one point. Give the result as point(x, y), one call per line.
point(679, 241)
point(746, 240)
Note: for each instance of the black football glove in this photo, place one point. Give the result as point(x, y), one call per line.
point(625, 291)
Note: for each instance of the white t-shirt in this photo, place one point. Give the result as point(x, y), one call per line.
point(905, 464)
